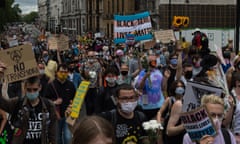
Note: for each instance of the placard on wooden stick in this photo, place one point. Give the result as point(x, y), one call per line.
point(20, 62)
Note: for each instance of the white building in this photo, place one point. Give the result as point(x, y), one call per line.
point(55, 10)
point(43, 12)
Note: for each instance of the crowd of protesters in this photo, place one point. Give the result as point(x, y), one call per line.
point(129, 84)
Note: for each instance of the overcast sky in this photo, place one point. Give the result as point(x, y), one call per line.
point(27, 6)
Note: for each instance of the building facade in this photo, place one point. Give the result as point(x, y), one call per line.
point(73, 17)
point(43, 12)
point(202, 13)
point(54, 15)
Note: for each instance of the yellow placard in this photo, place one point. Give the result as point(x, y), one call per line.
point(79, 99)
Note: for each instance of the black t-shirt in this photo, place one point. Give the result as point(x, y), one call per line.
point(127, 130)
point(33, 135)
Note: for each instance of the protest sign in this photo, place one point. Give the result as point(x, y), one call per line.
point(149, 44)
point(138, 24)
point(20, 62)
point(60, 42)
point(165, 36)
point(198, 123)
point(63, 42)
point(194, 93)
point(78, 101)
point(53, 43)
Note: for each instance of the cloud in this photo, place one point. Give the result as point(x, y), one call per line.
point(27, 6)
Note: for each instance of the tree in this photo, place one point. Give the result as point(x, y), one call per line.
point(31, 17)
point(9, 13)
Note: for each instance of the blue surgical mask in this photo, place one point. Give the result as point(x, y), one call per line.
point(173, 61)
point(180, 90)
point(32, 96)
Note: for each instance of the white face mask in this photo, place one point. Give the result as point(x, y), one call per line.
point(128, 107)
point(217, 122)
point(41, 71)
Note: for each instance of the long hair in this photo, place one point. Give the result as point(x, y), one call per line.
point(90, 127)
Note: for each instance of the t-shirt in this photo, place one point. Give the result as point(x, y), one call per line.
point(33, 135)
point(127, 130)
point(152, 97)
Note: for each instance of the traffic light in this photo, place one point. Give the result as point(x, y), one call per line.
point(179, 21)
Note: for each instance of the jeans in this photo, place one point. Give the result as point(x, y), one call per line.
point(64, 135)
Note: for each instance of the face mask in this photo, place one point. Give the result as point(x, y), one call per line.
point(45, 58)
point(91, 60)
point(179, 90)
point(188, 75)
point(32, 96)
point(110, 79)
point(124, 73)
point(217, 122)
point(128, 107)
point(41, 71)
point(173, 61)
point(62, 76)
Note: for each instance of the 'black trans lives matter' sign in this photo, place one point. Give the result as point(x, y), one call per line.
point(20, 62)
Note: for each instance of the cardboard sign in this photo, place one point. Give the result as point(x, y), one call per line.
point(197, 124)
point(20, 62)
point(63, 42)
point(149, 44)
point(165, 36)
point(60, 42)
point(78, 101)
point(194, 93)
point(53, 43)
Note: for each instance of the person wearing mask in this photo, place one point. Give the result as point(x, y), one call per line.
point(150, 83)
point(61, 91)
point(177, 90)
point(215, 107)
point(125, 76)
point(106, 100)
point(175, 130)
point(172, 67)
point(73, 76)
point(92, 71)
point(127, 121)
point(33, 117)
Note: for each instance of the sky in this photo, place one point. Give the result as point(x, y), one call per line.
point(27, 6)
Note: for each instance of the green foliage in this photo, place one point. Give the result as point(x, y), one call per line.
point(10, 13)
point(30, 17)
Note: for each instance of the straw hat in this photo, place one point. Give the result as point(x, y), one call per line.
point(51, 69)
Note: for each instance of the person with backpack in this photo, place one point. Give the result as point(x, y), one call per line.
point(32, 117)
point(127, 121)
point(215, 107)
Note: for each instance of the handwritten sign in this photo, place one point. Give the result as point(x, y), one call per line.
point(63, 42)
point(20, 62)
point(165, 36)
point(60, 42)
point(197, 123)
point(52, 43)
point(78, 101)
point(194, 93)
point(149, 44)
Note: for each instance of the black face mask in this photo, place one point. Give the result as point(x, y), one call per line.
point(124, 73)
point(188, 75)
